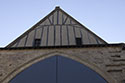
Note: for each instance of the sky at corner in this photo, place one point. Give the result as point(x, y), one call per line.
point(106, 18)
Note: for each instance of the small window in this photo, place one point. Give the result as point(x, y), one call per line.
point(78, 41)
point(37, 43)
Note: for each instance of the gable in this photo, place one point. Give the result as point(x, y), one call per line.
point(57, 29)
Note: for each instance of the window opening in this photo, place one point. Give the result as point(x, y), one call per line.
point(78, 41)
point(37, 42)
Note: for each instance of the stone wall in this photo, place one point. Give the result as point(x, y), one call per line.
point(109, 62)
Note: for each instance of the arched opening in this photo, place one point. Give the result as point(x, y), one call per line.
point(58, 69)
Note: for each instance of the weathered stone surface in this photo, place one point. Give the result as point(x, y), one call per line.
point(107, 61)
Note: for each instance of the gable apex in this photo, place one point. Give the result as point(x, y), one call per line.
point(57, 29)
point(57, 7)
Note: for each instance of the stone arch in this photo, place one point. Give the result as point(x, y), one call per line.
point(92, 66)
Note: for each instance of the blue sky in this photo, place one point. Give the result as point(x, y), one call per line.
point(106, 18)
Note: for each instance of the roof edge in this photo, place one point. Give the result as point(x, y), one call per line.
point(30, 29)
point(122, 45)
point(82, 25)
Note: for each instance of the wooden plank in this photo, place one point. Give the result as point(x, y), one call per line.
point(44, 37)
point(68, 21)
point(22, 42)
point(99, 41)
point(38, 33)
point(85, 39)
point(14, 45)
point(71, 35)
point(60, 17)
point(46, 22)
point(55, 17)
point(51, 19)
point(57, 36)
point(51, 36)
point(64, 36)
point(92, 39)
point(73, 22)
point(64, 18)
point(77, 32)
point(30, 38)
point(78, 26)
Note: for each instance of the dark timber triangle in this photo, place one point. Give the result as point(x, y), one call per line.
point(57, 29)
